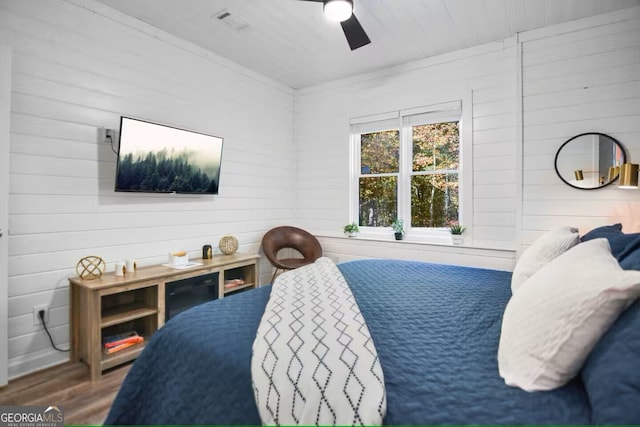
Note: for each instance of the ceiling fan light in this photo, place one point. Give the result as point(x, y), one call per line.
point(338, 10)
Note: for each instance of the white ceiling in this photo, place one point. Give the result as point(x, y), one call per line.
point(291, 41)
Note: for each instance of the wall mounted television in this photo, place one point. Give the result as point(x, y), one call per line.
point(155, 158)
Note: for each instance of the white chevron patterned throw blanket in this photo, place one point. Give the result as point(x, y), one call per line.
point(314, 361)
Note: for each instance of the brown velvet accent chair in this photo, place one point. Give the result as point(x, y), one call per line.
point(287, 237)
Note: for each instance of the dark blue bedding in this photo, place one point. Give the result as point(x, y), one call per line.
point(436, 329)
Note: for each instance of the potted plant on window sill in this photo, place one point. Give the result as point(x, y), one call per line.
point(351, 229)
point(398, 228)
point(457, 231)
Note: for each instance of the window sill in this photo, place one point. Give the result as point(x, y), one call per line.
point(418, 242)
point(341, 248)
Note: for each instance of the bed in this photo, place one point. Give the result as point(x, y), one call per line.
point(436, 329)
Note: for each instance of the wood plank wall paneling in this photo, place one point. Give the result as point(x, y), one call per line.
point(586, 80)
point(576, 77)
point(322, 136)
point(77, 66)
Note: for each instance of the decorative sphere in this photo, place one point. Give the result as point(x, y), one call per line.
point(228, 244)
point(90, 267)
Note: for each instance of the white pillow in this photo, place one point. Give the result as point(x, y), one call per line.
point(549, 246)
point(556, 318)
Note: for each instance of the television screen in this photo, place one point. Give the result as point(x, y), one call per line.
point(162, 159)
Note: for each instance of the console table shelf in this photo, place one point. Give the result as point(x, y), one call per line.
point(232, 289)
point(113, 305)
point(124, 314)
point(109, 361)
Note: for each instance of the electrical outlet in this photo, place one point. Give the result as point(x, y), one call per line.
point(36, 316)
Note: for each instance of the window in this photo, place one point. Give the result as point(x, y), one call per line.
point(406, 165)
point(378, 182)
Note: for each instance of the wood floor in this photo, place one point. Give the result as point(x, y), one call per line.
point(68, 385)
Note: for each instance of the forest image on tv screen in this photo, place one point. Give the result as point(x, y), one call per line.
point(155, 158)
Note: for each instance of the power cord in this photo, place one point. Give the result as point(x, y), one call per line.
point(41, 315)
point(109, 137)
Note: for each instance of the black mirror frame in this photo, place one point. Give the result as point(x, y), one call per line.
point(555, 161)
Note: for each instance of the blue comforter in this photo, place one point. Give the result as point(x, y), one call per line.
point(436, 329)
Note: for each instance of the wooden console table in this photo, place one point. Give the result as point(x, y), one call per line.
point(136, 301)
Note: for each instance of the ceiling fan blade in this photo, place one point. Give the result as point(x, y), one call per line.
point(355, 33)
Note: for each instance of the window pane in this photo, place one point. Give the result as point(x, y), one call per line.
point(378, 201)
point(434, 200)
point(436, 146)
point(379, 152)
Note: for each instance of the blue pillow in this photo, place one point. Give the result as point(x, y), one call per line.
point(611, 373)
point(604, 231)
point(629, 258)
point(618, 241)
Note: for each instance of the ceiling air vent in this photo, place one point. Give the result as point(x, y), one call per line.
point(232, 21)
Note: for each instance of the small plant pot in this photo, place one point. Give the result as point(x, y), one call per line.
point(398, 236)
point(353, 234)
point(457, 239)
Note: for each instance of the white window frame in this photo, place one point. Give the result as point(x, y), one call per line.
point(404, 120)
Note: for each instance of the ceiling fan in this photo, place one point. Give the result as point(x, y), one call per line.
point(342, 11)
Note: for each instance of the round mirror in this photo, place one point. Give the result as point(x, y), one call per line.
point(589, 161)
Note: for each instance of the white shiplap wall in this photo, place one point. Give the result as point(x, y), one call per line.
point(578, 77)
point(77, 66)
point(529, 96)
point(487, 73)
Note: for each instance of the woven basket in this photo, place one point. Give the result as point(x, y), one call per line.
point(228, 244)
